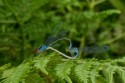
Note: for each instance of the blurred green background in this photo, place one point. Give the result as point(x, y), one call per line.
point(25, 24)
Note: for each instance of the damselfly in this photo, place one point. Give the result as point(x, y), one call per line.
point(53, 39)
point(89, 50)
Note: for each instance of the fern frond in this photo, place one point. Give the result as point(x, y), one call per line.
point(82, 71)
point(121, 71)
point(8, 72)
point(41, 63)
point(94, 72)
point(34, 78)
point(18, 73)
point(109, 70)
point(2, 68)
point(63, 70)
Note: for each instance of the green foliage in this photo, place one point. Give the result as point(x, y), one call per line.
point(17, 74)
point(63, 70)
point(41, 63)
point(24, 25)
point(84, 71)
point(34, 78)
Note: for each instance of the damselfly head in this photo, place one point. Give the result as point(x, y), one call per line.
point(36, 51)
point(106, 48)
point(74, 51)
point(40, 49)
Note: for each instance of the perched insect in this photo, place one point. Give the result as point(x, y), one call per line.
point(74, 51)
point(52, 40)
point(89, 50)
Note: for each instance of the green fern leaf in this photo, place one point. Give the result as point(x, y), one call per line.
point(82, 71)
point(19, 73)
point(109, 70)
point(8, 72)
point(121, 72)
point(41, 63)
point(94, 72)
point(2, 68)
point(63, 70)
point(34, 78)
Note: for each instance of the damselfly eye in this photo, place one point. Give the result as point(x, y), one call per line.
point(106, 48)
